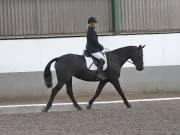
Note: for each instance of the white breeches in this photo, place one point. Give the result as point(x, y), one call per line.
point(98, 55)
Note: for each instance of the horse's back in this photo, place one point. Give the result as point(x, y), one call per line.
point(69, 61)
point(70, 58)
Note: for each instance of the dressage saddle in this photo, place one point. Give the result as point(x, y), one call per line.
point(95, 60)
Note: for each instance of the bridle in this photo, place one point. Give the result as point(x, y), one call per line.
point(139, 54)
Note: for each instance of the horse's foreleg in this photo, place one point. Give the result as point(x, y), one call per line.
point(116, 84)
point(53, 94)
point(98, 91)
point(71, 95)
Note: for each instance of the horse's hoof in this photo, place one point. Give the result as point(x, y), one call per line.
point(79, 108)
point(129, 106)
point(45, 109)
point(88, 107)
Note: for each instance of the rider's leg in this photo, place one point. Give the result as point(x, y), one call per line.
point(100, 69)
point(98, 55)
point(101, 59)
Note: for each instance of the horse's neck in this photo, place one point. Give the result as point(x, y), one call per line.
point(123, 54)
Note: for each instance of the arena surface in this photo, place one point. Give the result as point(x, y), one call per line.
point(160, 117)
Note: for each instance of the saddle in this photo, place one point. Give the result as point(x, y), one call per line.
point(92, 62)
point(95, 60)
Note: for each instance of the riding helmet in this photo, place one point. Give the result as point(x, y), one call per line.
point(92, 19)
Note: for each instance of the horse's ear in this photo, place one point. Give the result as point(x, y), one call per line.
point(143, 46)
point(140, 47)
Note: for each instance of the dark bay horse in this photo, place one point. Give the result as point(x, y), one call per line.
point(71, 65)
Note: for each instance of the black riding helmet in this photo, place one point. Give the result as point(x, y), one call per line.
point(92, 19)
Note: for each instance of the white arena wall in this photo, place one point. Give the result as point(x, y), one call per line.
point(23, 62)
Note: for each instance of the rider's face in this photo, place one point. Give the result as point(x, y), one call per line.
point(93, 24)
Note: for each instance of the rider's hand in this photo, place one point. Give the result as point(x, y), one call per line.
point(103, 51)
point(101, 47)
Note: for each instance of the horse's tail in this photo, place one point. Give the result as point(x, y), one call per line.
point(47, 74)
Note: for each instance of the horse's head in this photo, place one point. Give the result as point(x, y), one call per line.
point(137, 58)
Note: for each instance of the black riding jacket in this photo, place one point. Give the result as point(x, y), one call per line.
point(93, 45)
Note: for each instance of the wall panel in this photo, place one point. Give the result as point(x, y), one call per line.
point(149, 16)
point(24, 18)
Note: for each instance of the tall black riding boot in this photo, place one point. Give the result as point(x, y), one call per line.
point(100, 74)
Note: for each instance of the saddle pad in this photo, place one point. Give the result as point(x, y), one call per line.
point(91, 66)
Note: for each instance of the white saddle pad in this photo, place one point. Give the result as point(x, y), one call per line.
point(92, 66)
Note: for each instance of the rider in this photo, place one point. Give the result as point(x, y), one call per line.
point(93, 47)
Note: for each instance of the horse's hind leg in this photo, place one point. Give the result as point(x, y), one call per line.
point(120, 92)
point(53, 94)
point(70, 93)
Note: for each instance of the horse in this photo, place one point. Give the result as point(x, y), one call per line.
point(73, 65)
